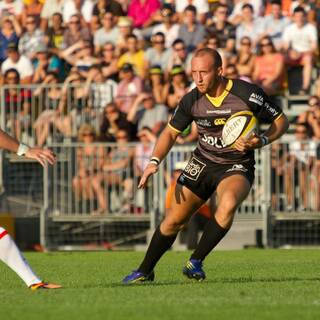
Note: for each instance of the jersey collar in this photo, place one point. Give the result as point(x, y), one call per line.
point(217, 101)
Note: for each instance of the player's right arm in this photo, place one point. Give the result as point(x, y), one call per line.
point(163, 145)
point(11, 144)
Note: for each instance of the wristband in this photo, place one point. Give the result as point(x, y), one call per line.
point(155, 160)
point(264, 140)
point(22, 149)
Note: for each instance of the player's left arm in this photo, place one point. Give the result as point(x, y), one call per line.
point(11, 144)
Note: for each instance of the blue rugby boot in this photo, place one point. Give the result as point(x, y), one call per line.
point(193, 270)
point(138, 277)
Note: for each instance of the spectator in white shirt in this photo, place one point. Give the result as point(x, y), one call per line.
point(167, 27)
point(82, 7)
point(300, 43)
point(202, 7)
point(19, 62)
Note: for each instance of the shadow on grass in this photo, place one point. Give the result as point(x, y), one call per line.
point(208, 281)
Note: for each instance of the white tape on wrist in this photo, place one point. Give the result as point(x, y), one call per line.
point(264, 140)
point(23, 148)
point(155, 160)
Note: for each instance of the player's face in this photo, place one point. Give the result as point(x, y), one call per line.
point(204, 73)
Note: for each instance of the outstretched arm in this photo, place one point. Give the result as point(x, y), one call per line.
point(164, 143)
point(11, 144)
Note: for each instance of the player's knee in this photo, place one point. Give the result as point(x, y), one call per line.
point(228, 204)
point(171, 226)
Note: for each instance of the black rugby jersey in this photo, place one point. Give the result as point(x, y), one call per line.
point(210, 114)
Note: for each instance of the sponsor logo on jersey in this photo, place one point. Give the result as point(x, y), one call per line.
point(204, 123)
point(270, 109)
point(256, 98)
point(193, 169)
point(220, 121)
point(237, 167)
point(228, 111)
point(216, 142)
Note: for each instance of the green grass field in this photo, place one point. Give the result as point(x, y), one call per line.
point(248, 284)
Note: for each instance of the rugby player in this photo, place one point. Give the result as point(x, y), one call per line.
point(9, 252)
point(213, 167)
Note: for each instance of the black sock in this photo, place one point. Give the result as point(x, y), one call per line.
point(158, 246)
point(212, 234)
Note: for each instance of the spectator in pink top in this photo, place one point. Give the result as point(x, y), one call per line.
point(268, 67)
point(142, 11)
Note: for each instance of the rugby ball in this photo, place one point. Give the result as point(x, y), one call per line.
point(240, 124)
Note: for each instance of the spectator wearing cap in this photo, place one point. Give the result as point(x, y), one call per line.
point(146, 113)
point(9, 33)
point(134, 56)
point(55, 34)
point(19, 62)
point(31, 39)
point(177, 86)
point(201, 6)
point(32, 8)
point(130, 86)
point(168, 25)
point(157, 54)
point(83, 8)
point(142, 12)
point(249, 26)
point(49, 9)
point(44, 63)
point(125, 26)
point(222, 29)
point(108, 33)
point(191, 31)
point(75, 32)
point(275, 23)
point(155, 84)
point(180, 56)
point(300, 42)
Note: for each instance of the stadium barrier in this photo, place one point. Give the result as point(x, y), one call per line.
point(50, 113)
point(71, 220)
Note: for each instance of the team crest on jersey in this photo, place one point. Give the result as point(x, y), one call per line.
point(219, 121)
point(193, 169)
point(237, 167)
point(256, 98)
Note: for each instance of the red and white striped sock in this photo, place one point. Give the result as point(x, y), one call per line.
point(13, 258)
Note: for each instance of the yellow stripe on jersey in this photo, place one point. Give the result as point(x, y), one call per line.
point(278, 116)
point(173, 128)
point(217, 101)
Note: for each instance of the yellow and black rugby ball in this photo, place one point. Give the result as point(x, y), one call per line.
point(240, 124)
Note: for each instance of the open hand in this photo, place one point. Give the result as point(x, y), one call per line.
point(245, 144)
point(43, 156)
point(149, 171)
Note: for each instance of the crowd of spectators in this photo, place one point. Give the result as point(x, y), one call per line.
point(122, 66)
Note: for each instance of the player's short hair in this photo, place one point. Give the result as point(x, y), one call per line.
point(217, 60)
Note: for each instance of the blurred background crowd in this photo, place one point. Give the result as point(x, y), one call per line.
point(113, 71)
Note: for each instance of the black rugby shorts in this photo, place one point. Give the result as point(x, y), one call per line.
point(202, 176)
